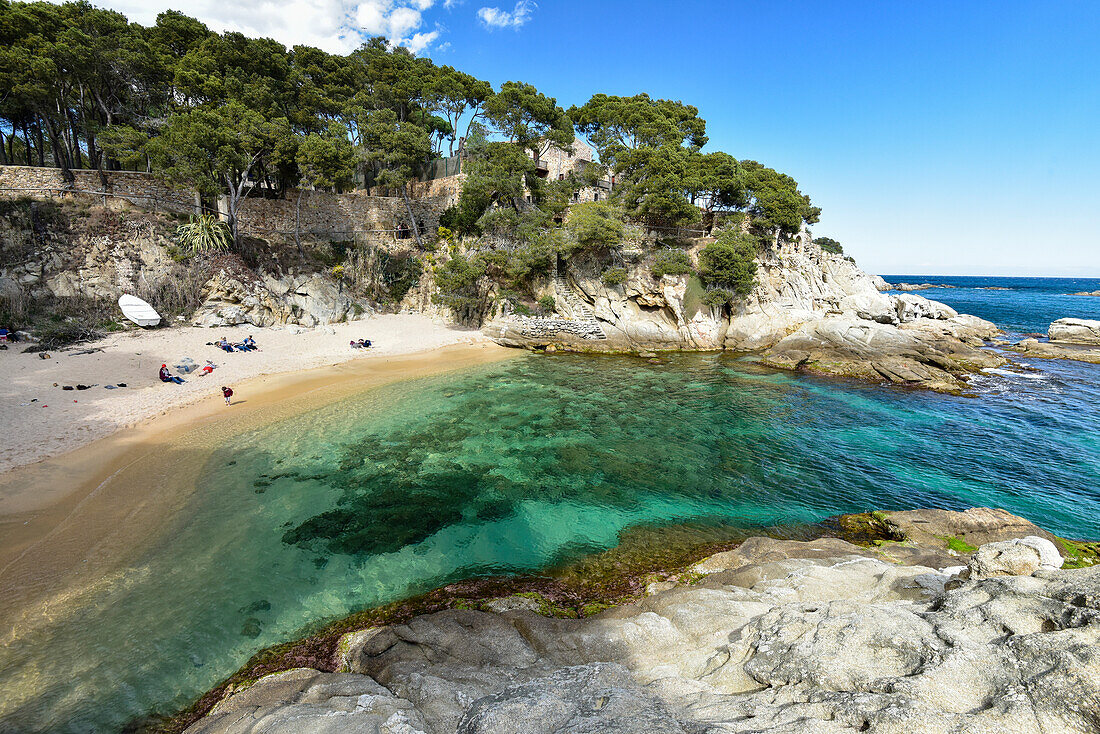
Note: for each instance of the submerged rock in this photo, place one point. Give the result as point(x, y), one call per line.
point(783, 636)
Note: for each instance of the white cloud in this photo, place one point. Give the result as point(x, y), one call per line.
point(337, 26)
point(496, 18)
point(421, 41)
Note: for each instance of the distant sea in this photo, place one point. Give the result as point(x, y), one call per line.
point(540, 460)
point(1026, 305)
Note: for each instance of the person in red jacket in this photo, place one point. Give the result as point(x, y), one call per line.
point(166, 376)
point(227, 392)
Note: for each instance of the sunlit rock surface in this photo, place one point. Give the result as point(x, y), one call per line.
point(775, 636)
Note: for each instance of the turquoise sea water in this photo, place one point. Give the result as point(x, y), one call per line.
point(542, 459)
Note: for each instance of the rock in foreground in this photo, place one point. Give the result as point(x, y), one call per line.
point(776, 636)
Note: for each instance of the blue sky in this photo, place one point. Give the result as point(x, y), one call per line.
point(938, 137)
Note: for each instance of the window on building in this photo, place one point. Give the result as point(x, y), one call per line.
point(596, 196)
point(528, 199)
point(576, 196)
point(561, 176)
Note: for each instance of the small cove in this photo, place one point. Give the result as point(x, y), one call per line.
point(512, 466)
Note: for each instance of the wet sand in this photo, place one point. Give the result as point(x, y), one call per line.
point(71, 522)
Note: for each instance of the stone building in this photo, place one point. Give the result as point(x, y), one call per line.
point(555, 164)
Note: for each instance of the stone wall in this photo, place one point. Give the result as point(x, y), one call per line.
point(445, 190)
point(141, 189)
point(352, 216)
point(355, 215)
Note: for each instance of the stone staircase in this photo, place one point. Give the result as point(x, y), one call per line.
point(586, 321)
point(577, 307)
point(578, 320)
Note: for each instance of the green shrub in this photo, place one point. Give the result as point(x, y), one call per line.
point(596, 225)
point(399, 272)
point(729, 263)
point(457, 282)
point(203, 233)
point(671, 262)
point(828, 244)
point(547, 304)
point(717, 297)
point(461, 218)
point(613, 276)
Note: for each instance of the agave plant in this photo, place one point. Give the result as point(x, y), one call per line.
point(203, 233)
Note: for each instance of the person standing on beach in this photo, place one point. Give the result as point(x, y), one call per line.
point(227, 392)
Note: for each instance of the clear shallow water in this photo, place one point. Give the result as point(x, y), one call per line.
point(513, 466)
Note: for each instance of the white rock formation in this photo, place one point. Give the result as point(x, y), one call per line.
point(809, 309)
point(308, 300)
point(1075, 331)
point(798, 638)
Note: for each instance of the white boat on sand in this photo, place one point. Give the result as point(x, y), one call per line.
point(138, 311)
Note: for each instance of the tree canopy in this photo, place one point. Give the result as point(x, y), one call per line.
point(234, 116)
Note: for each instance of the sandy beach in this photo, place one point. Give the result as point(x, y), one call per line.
point(67, 522)
point(40, 419)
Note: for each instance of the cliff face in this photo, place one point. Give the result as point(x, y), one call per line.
point(77, 258)
point(798, 637)
point(809, 309)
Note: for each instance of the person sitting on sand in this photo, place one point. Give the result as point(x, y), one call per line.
point(166, 376)
point(250, 343)
point(224, 344)
point(364, 343)
point(353, 344)
point(3, 335)
point(207, 368)
point(227, 393)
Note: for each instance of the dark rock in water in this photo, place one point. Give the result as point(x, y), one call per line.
point(252, 628)
point(260, 605)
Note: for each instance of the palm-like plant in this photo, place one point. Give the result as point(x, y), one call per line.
point(203, 233)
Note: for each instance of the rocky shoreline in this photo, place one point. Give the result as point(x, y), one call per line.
point(1069, 338)
point(927, 620)
point(809, 310)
